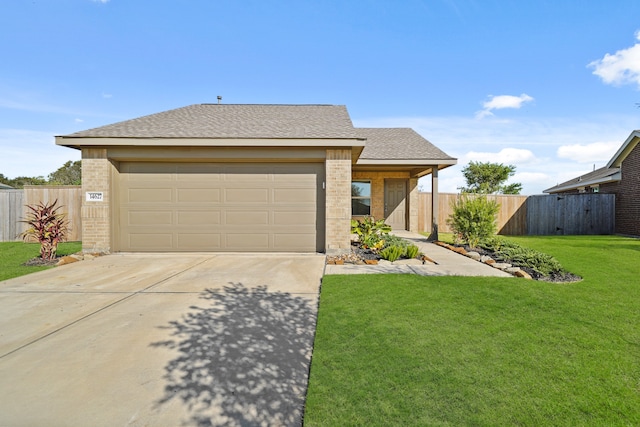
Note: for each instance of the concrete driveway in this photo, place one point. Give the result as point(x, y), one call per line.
point(159, 340)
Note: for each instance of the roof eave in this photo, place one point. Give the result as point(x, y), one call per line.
point(604, 180)
point(79, 142)
point(625, 149)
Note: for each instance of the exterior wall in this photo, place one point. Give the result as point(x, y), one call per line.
point(377, 194)
point(627, 192)
point(96, 216)
point(338, 201)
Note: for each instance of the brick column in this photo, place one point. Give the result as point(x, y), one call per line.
point(96, 215)
point(338, 201)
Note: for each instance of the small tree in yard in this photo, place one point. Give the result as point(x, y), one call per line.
point(47, 226)
point(473, 218)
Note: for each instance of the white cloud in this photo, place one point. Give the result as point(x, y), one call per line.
point(587, 153)
point(100, 1)
point(506, 156)
point(78, 120)
point(529, 144)
point(502, 101)
point(622, 67)
point(107, 95)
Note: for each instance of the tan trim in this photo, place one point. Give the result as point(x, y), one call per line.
point(230, 154)
point(408, 162)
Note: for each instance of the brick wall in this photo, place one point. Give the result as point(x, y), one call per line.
point(338, 201)
point(96, 216)
point(627, 192)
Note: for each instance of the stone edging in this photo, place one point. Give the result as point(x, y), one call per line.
point(503, 266)
point(78, 257)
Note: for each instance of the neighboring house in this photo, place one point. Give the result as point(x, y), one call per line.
point(6, 187)
point(621, 176)
point(221, 177)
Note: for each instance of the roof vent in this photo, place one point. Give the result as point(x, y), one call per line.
point(219, 99)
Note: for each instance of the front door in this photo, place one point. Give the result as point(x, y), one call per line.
point(395, 203)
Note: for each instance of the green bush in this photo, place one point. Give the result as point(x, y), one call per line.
point(473, 218)
point(371, 233)
point(392, 253)
point(411, 251)
point(519, 256)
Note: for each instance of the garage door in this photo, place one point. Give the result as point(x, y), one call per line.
point(220, 207)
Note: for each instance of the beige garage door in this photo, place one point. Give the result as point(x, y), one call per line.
point(220, 207)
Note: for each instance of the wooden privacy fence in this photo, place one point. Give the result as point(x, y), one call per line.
point(535, 215)
point(11, 212)
point(13, 208)
point(512, 217)
point(571, 214)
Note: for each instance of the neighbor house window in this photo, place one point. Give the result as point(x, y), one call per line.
point(360, 198)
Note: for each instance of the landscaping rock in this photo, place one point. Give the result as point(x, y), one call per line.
point(485, 258)
point(522, 273)
point(489, 261)
point(501, 265)
point(67, 260)
point(474, 255)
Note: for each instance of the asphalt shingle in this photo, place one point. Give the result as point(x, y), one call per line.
point(398, 144)
point(234, 121)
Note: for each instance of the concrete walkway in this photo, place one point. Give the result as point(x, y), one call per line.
point(448, 263)
point(159, 340)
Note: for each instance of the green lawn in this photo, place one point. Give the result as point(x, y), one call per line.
point(450, 351)
point(14, 254)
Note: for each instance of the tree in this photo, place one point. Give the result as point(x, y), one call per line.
point(69, 174)
point(21, 181)
point(489, 178)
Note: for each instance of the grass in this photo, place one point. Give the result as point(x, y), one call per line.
point(14, 254)
point(448, 351)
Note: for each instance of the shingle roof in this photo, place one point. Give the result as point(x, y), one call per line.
point(398, 144)
point(235, 121)
point(598, 176)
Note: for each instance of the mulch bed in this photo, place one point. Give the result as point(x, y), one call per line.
point(39, 262)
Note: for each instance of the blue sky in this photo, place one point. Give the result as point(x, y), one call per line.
point(548, 86)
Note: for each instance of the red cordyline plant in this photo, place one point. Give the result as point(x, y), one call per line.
point(47, 226)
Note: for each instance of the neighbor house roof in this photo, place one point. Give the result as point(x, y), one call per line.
point(598, 176)
point(400, 144)
point(610, 173)
point(6, 187)
point(234, 121)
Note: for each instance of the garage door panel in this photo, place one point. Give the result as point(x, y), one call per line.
point(247, 218)
point(247, 241)
point(150, 195)
point(293, 242)
point(291, 218)
point(149, 218)
point(204, 217)
point(198, 195)
point(294, 195)
point(246, 195)
point(150, 241)
point(198, 241)
point(220, 207)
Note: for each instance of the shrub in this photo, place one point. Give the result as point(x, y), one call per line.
point(371, 233)
point(412, 251)
point(392, 253)
point(473, 218)
point(519, 256)
point(47, 226)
